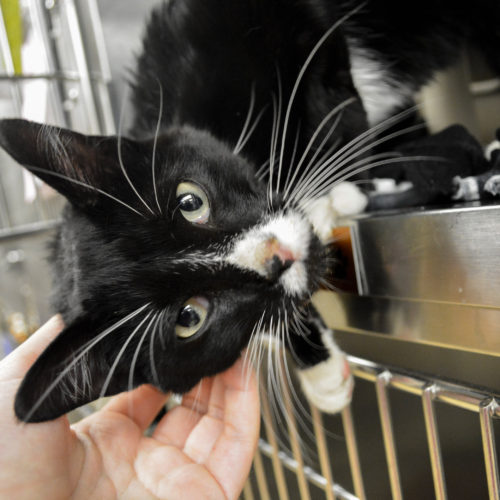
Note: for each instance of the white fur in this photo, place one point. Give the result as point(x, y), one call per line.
point(347, 199)
point(468, 188)
point(328, 385)
point(492, 146)
point(344, 199)
point(388, 186)
point(492, 185)
point(380, 94)
point(293, 231)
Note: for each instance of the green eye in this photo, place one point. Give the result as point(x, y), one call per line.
point(192, 202)
point(191, 317)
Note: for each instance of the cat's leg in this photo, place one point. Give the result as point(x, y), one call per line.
point(322, 367)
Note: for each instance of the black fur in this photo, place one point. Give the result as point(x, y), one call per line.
point(203, 59)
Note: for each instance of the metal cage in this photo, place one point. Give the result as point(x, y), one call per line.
point(422, 331)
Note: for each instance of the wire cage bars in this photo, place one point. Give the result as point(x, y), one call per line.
point(53, 69)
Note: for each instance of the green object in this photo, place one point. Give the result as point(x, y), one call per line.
point(11, 12)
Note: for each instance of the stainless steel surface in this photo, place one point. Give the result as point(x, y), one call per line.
point(486, 411)
point(260, 476)
point(433, 442)
point(312, 476)
point(450, 255)
point(381, 383)
point(272, 450)
point(353, 453)
point(324, 460)
point(295, 440)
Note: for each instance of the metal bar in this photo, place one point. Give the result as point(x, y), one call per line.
point(324, 460)
point(57, 75)
point(313, 477)
point(452, 394)
point(42, 32)
point(247, 491)
point(487, 410)
point(82, 65)
point(277, 466)
point(294, 439)
point(104, 69)
point(433, 442)
point(389, 444)
point(352, 451)
point(260, 475)
point(28, 229)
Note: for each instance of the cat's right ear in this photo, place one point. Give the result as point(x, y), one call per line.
point(78, 166)
point(69, 373)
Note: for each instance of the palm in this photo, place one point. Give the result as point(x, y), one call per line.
point(201, 449)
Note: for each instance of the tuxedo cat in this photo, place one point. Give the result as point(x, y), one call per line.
point(209, 225)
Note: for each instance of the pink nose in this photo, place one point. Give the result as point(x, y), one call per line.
point(278, 258)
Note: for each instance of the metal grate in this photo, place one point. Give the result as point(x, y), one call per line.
point(53, 69)
point(430, 391)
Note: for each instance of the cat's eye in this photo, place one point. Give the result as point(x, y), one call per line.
point(192, 202)
point(191, 317)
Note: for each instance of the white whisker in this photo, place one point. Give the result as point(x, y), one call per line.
point(80, 355)
point(155, 141)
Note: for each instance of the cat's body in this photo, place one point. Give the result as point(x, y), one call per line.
point(174, 253)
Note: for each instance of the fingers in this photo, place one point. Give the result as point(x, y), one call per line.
point(18, 362)
point(141, 405)
point(178, 423)
point(235, 448)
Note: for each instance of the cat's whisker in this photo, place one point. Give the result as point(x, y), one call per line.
point(351, 149)
point(155, 142)
point(120, 158)
point(343, 160)
point(107, 381)
point(277, 110)
point(137, 352)
point(238, 146)
point(298, 80)
point(319, 178)
point(294, 152)
point(340, 177)
point(80, 183)
point(82, 352)
point(152, 362)
point(253, 127)
point(337, 110)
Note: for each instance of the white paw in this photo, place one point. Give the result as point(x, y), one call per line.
point(347, 199)
point(329, 384)
point(466, 188)
point(344, 199)
point(492, 185)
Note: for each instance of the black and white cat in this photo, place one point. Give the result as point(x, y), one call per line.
point(209, 226)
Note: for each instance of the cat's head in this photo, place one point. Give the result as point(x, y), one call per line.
point(170, 255)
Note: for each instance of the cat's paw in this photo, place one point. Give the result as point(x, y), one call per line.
point(344, 199)
point(347, 198)
point(465, 188)
point(492, 185)
point(328, 385)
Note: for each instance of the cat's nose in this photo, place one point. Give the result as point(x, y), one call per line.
point(278, 259)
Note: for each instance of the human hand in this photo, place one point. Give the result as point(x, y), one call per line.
point(196, 452)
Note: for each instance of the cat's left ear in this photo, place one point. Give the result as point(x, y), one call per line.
point(76, 165)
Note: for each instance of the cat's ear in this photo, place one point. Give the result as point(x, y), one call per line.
point(68, 374)
point(78, 166)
